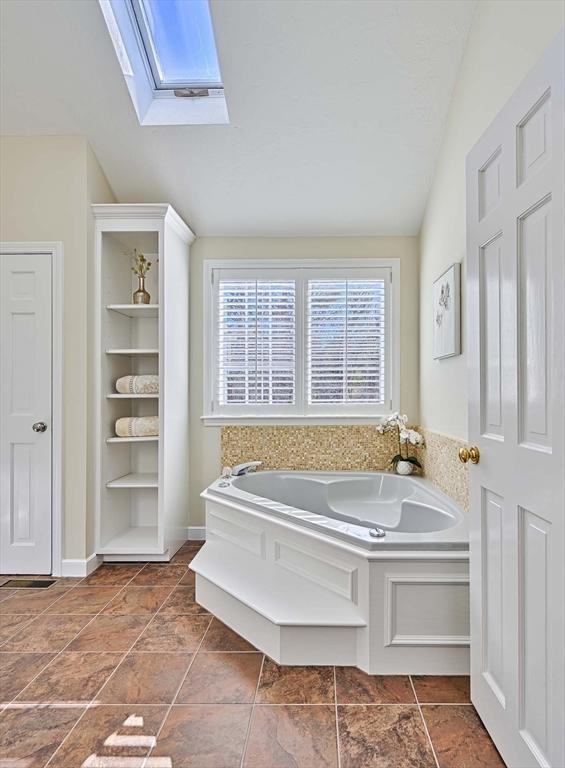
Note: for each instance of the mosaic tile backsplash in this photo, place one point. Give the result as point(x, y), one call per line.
point(321, 447)
point(441, 465)
point(359, 448)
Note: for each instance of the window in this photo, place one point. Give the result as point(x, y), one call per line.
point(346, 321)
point(308, 341)
point(256, 341)
point(168, 58)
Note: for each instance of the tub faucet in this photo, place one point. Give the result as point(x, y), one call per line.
point(243, 469)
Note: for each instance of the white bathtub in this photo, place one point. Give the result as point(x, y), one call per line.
point(410, 511)
point(292, 563)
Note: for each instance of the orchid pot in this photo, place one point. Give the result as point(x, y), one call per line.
point(406, 466)
point(402, 463)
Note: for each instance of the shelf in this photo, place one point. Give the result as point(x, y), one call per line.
point(140, 539)
point(150, 439)
point(120, 396)
point(135, 519)
point(135, 480)
point(128, 352)
point(135, 310)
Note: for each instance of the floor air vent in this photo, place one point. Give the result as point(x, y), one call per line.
point(27, 583)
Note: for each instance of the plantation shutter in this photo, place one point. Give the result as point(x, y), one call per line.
point(346, 340)
point(256, 361)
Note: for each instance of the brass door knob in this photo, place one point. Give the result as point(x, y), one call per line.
point(471, 454)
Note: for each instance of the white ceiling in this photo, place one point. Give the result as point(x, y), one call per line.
point(337, 110)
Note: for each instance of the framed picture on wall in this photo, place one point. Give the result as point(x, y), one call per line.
point(447, 313)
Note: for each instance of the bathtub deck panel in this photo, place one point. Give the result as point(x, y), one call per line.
point(277, 594)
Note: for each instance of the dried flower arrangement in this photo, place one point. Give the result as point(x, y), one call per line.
point(140, 264)
point(140, 267)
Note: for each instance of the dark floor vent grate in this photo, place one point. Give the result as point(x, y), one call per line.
point(27, 583)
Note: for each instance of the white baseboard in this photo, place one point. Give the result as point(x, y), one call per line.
point(196, 533)
point(80, 568)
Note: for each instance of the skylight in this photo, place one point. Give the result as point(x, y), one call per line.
point(179, 43)
point(168, 59)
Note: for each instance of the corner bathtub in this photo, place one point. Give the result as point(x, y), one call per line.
point(293, 561)
point(350, 506)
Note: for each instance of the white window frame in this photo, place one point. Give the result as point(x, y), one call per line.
point(315, 414)
point(155, 105)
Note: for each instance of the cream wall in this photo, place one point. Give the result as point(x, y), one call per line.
point(205, 441)
point(46, 186)
point(505, 41)
point(97, 191)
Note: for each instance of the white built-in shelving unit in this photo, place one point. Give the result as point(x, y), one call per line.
point(142, 482)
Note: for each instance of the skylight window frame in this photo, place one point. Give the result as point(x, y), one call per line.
point(147, 47)
point(154, 106)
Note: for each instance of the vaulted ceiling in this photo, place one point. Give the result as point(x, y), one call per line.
point(337, 110)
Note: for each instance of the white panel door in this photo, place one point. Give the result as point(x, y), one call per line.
point(25, 413)
point(516, 297)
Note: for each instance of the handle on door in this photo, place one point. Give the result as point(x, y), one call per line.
point(471, 454)
point(39, 426)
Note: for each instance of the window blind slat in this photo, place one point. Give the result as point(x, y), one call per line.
point(256, 342)
point(346, 341)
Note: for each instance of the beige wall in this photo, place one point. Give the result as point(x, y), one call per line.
point(46, 184)
point(97, 191)
point(205, 441)
point(505, 41)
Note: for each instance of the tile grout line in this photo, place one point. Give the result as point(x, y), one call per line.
point(424, 721)
point(158, 733)
point(91, 702)
point(248, 732)
point(126, 653)
point(31, 618)
point(44, 612)
point(151, 620)
point(148, 755)
point(57, 654)
point(205, 615)
point(9, 704)
point(265, 704)
point(37, 615)
point(337, 721)
point(130, 650)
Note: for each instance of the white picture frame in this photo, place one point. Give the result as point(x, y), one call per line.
point(447, 313)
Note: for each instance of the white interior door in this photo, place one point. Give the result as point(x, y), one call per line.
point(25, 413)
point(515, 267)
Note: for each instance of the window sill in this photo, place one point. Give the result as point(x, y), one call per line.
point(271, 421)
point(167, 109)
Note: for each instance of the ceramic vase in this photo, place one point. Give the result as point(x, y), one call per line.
point(404, 468)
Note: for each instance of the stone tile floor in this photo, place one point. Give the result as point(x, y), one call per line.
point(124, 669)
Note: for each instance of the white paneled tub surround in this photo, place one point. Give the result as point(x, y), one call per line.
point(290, 564)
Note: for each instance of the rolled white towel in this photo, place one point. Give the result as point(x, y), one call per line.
point(137, 426)
point(143, 384)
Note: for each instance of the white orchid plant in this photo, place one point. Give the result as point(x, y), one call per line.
point(407, 437)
